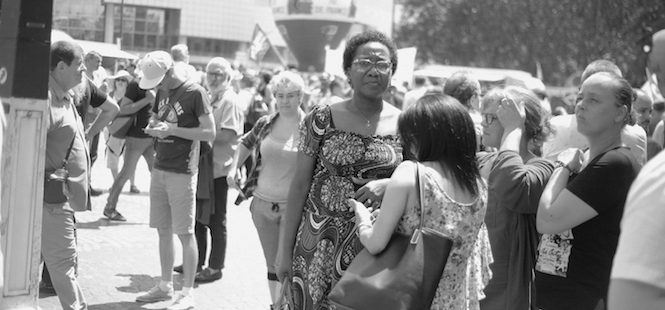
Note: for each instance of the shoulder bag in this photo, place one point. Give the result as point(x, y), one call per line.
point(55, 183)
point(404, 276)
point(121, 124)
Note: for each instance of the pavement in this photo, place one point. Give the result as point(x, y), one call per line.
point(120, 260)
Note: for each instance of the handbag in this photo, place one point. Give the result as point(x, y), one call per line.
point(121, 124)
point(404, 276)
point(285, 299)
point(55, 183)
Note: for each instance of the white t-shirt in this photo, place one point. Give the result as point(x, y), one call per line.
point(566, 136)
point(640, 255)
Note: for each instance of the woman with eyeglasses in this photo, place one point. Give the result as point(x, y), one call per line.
point(274, 143)
point(581, 208)
point(116, 146)
point(347, 150)
point(137, 143)
point(513, 122)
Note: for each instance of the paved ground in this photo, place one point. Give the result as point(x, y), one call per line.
point(119, 261)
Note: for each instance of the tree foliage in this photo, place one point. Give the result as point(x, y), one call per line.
point(562, 35)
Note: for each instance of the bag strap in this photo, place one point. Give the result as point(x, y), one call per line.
point(421, 201)
point(69, 150)
point(176, 97)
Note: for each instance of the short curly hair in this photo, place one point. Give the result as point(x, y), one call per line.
point(356, 41)
point(462, 85)
point(537, 125)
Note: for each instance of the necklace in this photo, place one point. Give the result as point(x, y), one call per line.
point(368, 124)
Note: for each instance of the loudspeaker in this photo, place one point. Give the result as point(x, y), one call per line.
point(25, 38)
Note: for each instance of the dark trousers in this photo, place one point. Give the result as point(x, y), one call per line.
point(94, 145)
point(217, 227)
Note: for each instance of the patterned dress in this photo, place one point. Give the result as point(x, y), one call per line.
point(326, 241)
point(467, 270)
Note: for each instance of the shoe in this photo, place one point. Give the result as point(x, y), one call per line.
point(182, 302)
point(47, 288)
point(95, 192)
point(134, 190)
point(179, 269)
point(114, 215)
point(206, 276)
point(156, 294)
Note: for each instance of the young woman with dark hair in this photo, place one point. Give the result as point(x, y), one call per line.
point(438, 131)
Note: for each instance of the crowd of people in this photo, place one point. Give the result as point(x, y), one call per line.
point(533, 202)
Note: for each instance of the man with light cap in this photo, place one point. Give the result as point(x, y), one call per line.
point(181, 118)
point(229, 126)
point(638, 276)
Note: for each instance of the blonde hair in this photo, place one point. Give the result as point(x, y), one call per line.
point(287, 80)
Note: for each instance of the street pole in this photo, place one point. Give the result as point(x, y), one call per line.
point(122, 15)
point(24, 75)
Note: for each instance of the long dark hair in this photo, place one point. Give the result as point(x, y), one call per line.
point(440, 129)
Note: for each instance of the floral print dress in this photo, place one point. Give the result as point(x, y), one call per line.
point(326, 241)
point(467, 270)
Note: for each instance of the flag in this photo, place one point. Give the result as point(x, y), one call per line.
point(259, 45)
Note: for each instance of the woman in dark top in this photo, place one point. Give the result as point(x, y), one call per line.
point(137, 143)
point(582, 205)
point(513, 122)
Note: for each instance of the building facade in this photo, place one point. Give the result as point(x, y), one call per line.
point(209, 27)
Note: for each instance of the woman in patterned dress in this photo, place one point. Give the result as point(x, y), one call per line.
point(439, 132)
point(347, 150)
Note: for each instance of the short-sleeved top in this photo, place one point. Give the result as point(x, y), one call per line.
point(86, 95)
point(63, 126)
point(175, 154)
point(640, 255)
point(340, 156)
point(228, 114)
point(566, 136)
point(135, 93)
point(573, 267)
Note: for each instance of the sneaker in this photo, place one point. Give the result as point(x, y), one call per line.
point(182, 302)
point(114, 215)
point(156, 294)
point(207, 275)
point(134, 190)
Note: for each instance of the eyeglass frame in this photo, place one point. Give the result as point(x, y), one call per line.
point(371, 64)
point(489, 118)
point(216, 75)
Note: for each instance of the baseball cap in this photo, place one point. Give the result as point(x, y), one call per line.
point(154, 66)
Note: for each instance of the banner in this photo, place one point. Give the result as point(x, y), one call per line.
point(259, 45)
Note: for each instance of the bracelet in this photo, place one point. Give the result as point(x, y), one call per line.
point(559, 164)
